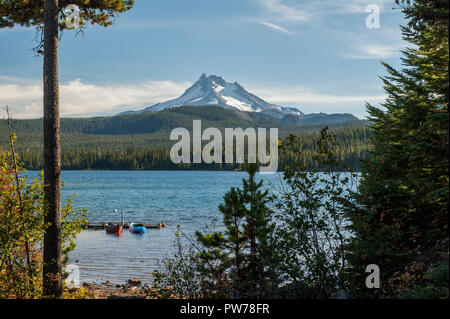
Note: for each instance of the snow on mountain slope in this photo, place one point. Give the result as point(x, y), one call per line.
point(213, 90)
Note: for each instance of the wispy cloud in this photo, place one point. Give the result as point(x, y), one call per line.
point(78, 98)
point(311, 101)
point(377, 44)
point(359, 6)
point(375, 51)
point(275, 14)
point(283, 12)
point(300, 94)
point(277, 27)
point(309, 10)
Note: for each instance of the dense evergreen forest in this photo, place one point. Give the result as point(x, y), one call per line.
point(141, 141)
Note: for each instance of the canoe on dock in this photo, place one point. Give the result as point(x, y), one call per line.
point(112, 228)
point(103, 226)
point(137, 228)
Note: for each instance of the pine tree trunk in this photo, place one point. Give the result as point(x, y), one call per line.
point(52, 155)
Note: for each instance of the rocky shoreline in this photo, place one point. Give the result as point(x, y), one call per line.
point(133, 289)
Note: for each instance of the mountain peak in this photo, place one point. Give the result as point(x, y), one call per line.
point(215, 91)
point(210, 80)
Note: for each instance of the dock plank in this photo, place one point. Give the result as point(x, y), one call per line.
point(102, 225)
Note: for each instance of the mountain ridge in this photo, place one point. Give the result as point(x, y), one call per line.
point(168, 119)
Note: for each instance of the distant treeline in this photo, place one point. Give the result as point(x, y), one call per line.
point(142, 141)
point(152, 151)
point(167, 120)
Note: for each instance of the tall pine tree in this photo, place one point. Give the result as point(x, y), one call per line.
point(403, 198)
point(50, 17)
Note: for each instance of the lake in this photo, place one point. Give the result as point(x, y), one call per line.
point(185, 198)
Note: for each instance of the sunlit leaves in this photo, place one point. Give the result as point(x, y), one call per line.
point(22, 227)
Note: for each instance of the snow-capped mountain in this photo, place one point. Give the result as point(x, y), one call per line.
point(214, 90)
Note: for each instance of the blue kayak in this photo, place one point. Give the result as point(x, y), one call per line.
point(137, 228)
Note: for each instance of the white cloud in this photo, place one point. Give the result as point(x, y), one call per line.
point(282, 12)
point(359, 6)
point(299, 94)
point(309, 101)
point(277, 27)
point(350, 6)
point(377, 44)
point(288, 16)
point(376, 51)
point(279, 12)
point(309, 10)
point(78, 98)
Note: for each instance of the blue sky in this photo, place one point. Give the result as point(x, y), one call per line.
point(316, 55)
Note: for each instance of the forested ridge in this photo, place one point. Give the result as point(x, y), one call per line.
point(142, 141)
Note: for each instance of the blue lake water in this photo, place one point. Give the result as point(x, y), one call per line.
point(185, 198)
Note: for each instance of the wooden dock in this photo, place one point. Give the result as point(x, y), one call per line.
point(102, 226)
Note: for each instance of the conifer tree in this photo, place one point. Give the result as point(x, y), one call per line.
point(49, 17)
point(257, 228)
point(244, 248)
point(402, 209)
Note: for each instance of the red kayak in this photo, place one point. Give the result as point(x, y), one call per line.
point(112, 228)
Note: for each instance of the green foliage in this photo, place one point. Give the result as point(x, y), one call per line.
point(290, 243)
point(402, 203)
point(178, 276)
point(21, 231)
point(73, 222)
point(22, 209)
point(436, 286)
point(31, 13)
point(243, 251)
point(310, 233)
point(231, 262)
point(51, 16)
